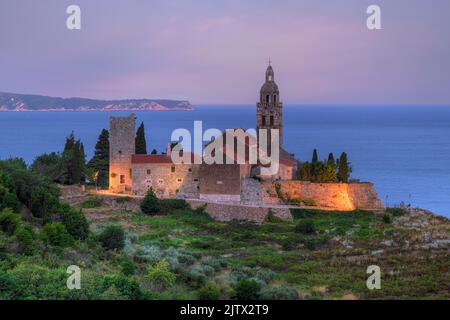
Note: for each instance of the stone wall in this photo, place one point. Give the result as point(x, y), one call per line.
point(229, 212)
point(339, 196)
point(121, 147)
point(220, 179)
point(167, 180)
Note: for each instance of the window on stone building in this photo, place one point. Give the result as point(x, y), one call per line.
point(275, 98)
point(173, 169)
point(271, 120)
point(160, 181)
point(264, 120)
point(180, 180)
point(149, 171)
point(122, 179)
point(196, 180)
point(190, 169)
point(267, 99)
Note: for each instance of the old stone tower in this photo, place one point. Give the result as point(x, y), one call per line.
point(269, 108)
point(121, 148)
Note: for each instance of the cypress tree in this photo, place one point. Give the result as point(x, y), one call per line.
point(154, 151)
point(314, 166)
point(344, 168)
point(100, 160)
point(315, 157)
point(141, 144)
point(331, 160)
point(73, 161)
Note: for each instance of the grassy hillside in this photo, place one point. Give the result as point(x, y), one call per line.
point(186, 255)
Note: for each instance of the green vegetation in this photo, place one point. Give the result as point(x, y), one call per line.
point(92, 202)
point(99, 164)
point(325, 171)
point(150, 204)
point(305, 227)
point(56, 234)
point(68, 167)
point(140, 143)
point(112, 238)
point(182, 253)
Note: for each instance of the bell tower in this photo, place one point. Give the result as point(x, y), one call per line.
point(269, 108)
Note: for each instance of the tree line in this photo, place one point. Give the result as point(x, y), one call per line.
point(70, 167)
point(330, 170)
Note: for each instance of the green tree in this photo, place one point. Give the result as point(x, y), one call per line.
point(304, 172)
point(8, 199)
point(150, 204)
point(154, 151)
point(56, 234)
point(315, 157)
point(9, 221)
point(141, 144)
point(73, 161)
point(344, 168)
point(49, 165)
point(100, 160)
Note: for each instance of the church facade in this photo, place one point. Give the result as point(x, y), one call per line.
point(136, 174)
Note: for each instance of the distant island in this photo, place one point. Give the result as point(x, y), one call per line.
point(28, 102)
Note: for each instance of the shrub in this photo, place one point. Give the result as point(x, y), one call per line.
point(305, 227)
point(25, 236)
point(128, 267)
point(92, 202)
point(150, 252)
point(42, 202)
point(265, 275)
point(209, 292)
point(7, 286)
point(387, 219)
point(150, 204)
point(9, 221)
point(56, 234)
point(171, 205)
point(112, 238)
point(128, 288)
point(75, 222)
point(279, 293)
point(8, 199)
point(33, 281)
point(160, 276)
point(247, 289)
point(289, 243)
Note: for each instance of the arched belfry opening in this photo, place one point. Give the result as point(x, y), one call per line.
point(269, 108)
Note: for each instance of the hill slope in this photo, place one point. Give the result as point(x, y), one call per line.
point(26, 102)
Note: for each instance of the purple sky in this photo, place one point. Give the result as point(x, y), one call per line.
point(216, 51)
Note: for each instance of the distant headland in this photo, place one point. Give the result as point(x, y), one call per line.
point(28, 102)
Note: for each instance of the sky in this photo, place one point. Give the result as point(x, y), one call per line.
point(216, 51)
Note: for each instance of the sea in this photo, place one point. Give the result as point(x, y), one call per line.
point(404, 150)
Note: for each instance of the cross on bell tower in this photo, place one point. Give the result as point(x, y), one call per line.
point(269, 108)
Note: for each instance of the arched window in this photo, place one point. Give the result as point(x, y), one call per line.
point(275, 98)
point(267, 98)
point(263, 120)
point(271, 120)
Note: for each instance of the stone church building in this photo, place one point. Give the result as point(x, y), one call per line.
point(135, 174)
